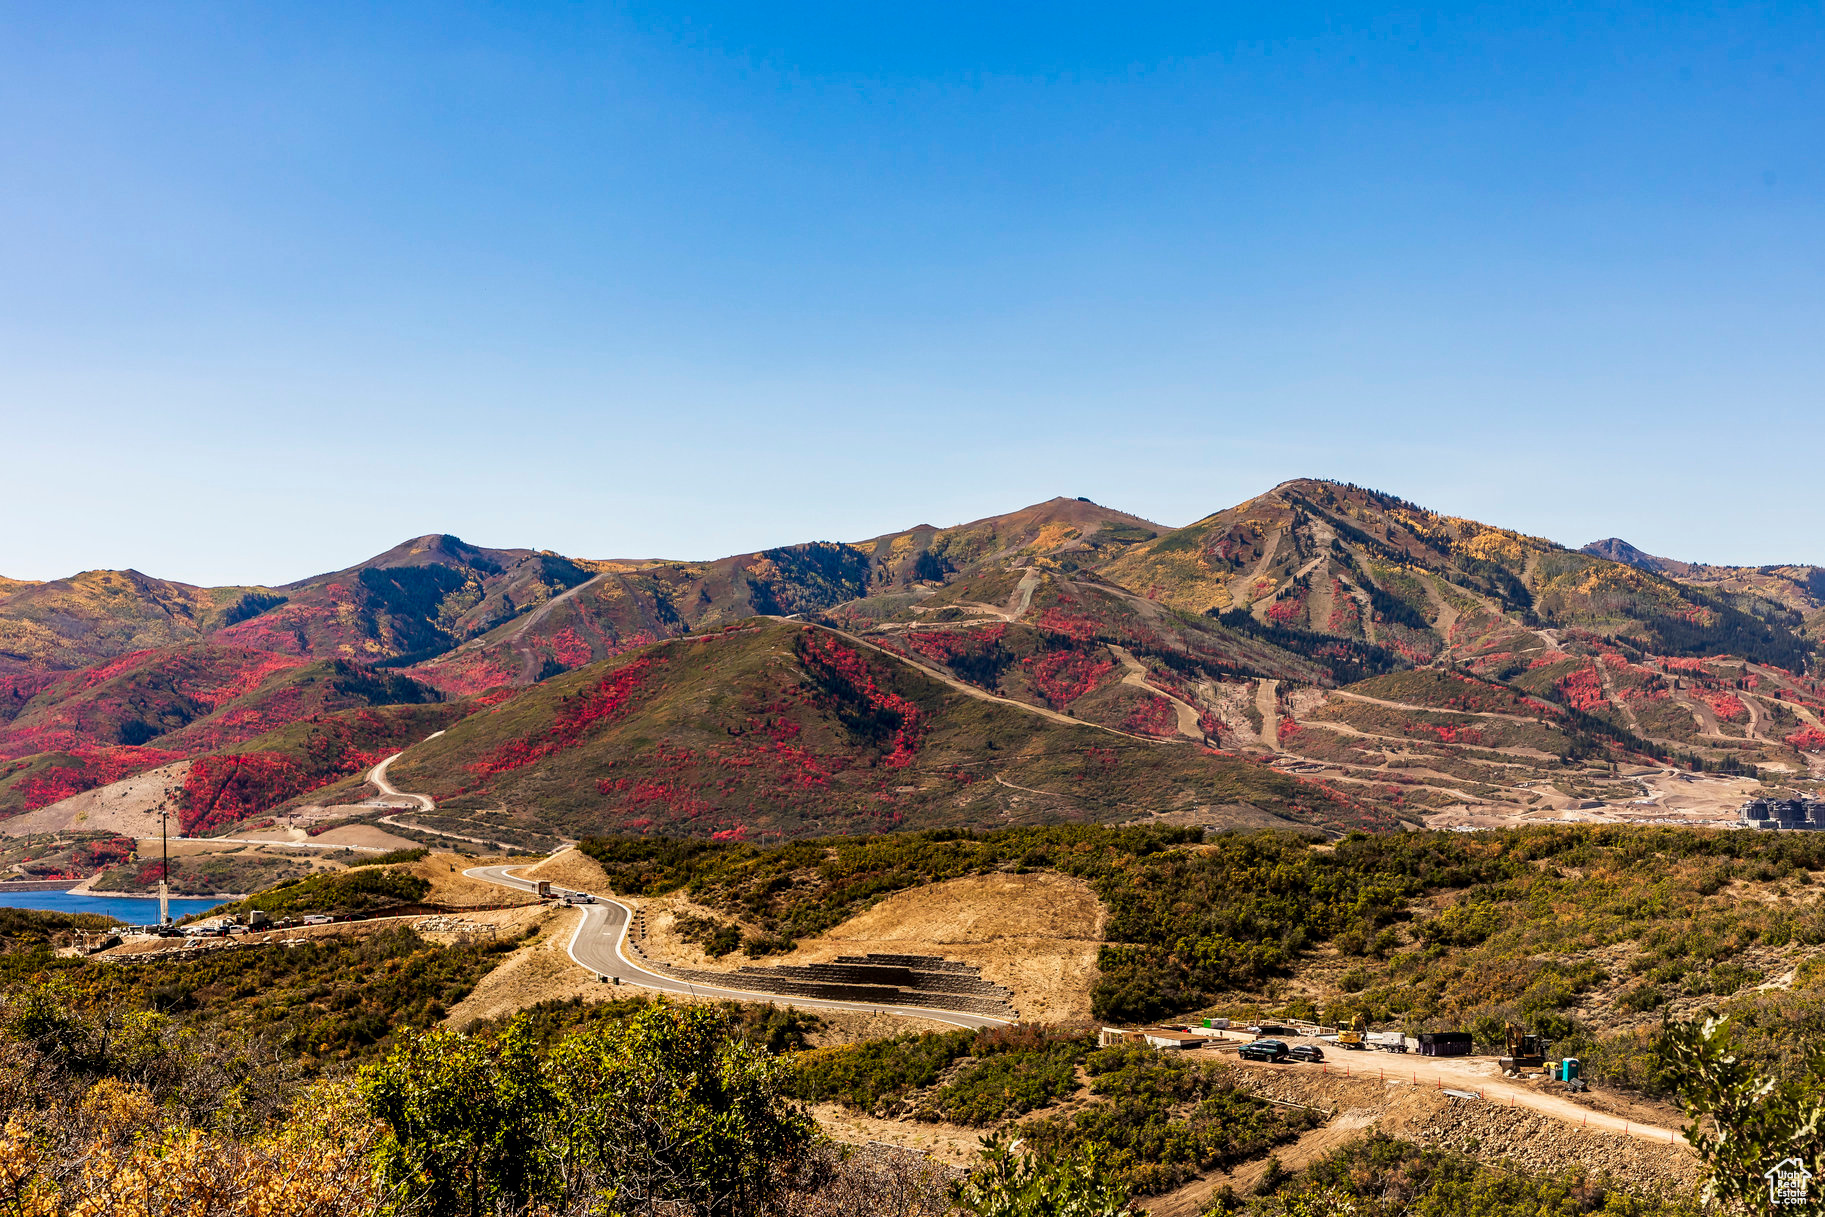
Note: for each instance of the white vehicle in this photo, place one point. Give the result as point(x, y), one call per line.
point(317, 919)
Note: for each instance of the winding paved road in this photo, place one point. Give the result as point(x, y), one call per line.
point(599, 943)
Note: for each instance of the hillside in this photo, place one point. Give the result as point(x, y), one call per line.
point(1794, 587)
point(148, 709)
point(1589, 933)
point(1338, 560)
point(784, 728)
point(97, 615)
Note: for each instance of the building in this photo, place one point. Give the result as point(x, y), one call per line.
point(1153, 1037)
point(1801, 813)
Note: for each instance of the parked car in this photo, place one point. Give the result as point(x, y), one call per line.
point(316, 919)
point(1263, 1050)
point(1306, 1052)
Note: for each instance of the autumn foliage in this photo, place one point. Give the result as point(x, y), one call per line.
point(608, 699)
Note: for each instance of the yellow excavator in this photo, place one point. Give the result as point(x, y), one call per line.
point(1526, 1050)
point(1352, 1036)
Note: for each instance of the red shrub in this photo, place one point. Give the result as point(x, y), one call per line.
point(1808, 739)
point(1064, 676)
point(1152, 716)
point(606, 700)
point(1724, 705)
point(1582, 689)
point(94, 767)
point(221, 790)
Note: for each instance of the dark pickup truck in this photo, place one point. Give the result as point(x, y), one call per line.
point(1263, 1050)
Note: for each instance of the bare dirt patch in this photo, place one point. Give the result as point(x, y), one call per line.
point(542, 970)
point(573, 869)
point(367, 836)
point(450, 886)
point(947, 1143)
point(128, 808)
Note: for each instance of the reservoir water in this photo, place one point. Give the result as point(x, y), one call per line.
point(132, 910)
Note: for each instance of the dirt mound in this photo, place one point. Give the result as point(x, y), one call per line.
point(1037, 934)
point(982, 909)
point(1538, 1143)
point(127, 808)
point(450, 886)
point(572, 868)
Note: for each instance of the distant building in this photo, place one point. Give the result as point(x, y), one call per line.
point(1801, 813)
point(1153, 1037)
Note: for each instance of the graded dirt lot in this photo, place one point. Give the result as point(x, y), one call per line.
point(1038, 934)
point(1669, 796)
point(359, 836)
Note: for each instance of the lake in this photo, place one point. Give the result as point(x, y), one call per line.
point(127, 908)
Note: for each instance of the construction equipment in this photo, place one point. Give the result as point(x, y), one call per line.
point(1525, 1050)
point(1353, 1037)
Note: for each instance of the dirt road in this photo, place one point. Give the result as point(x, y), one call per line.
point(377, 777)
point(1478, 1075)
point(1135, 676)
point(1267, 701)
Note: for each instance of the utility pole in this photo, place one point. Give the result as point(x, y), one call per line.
point(164, 878)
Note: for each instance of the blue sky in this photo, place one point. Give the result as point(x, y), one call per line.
point(283, 285)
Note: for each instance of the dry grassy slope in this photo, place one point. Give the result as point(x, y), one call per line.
point(96, 615)
point(449, 885)
point(127, 808)
point(1336, 559)
point(1037, 933)
point(1058, 531)
point(573, 869)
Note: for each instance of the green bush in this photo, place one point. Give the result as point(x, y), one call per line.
point(393, 857)
point(355, 891)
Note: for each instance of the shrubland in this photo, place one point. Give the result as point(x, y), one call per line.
point(1587, 932)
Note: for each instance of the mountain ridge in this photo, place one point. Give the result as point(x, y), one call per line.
point(1241, 633)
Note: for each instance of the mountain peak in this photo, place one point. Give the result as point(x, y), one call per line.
point(1615, 549)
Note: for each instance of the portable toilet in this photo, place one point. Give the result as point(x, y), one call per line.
point(1568, 1068)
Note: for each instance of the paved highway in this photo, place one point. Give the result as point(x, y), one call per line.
point(599, 944)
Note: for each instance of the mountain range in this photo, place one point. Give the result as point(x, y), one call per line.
point(1062, 661)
